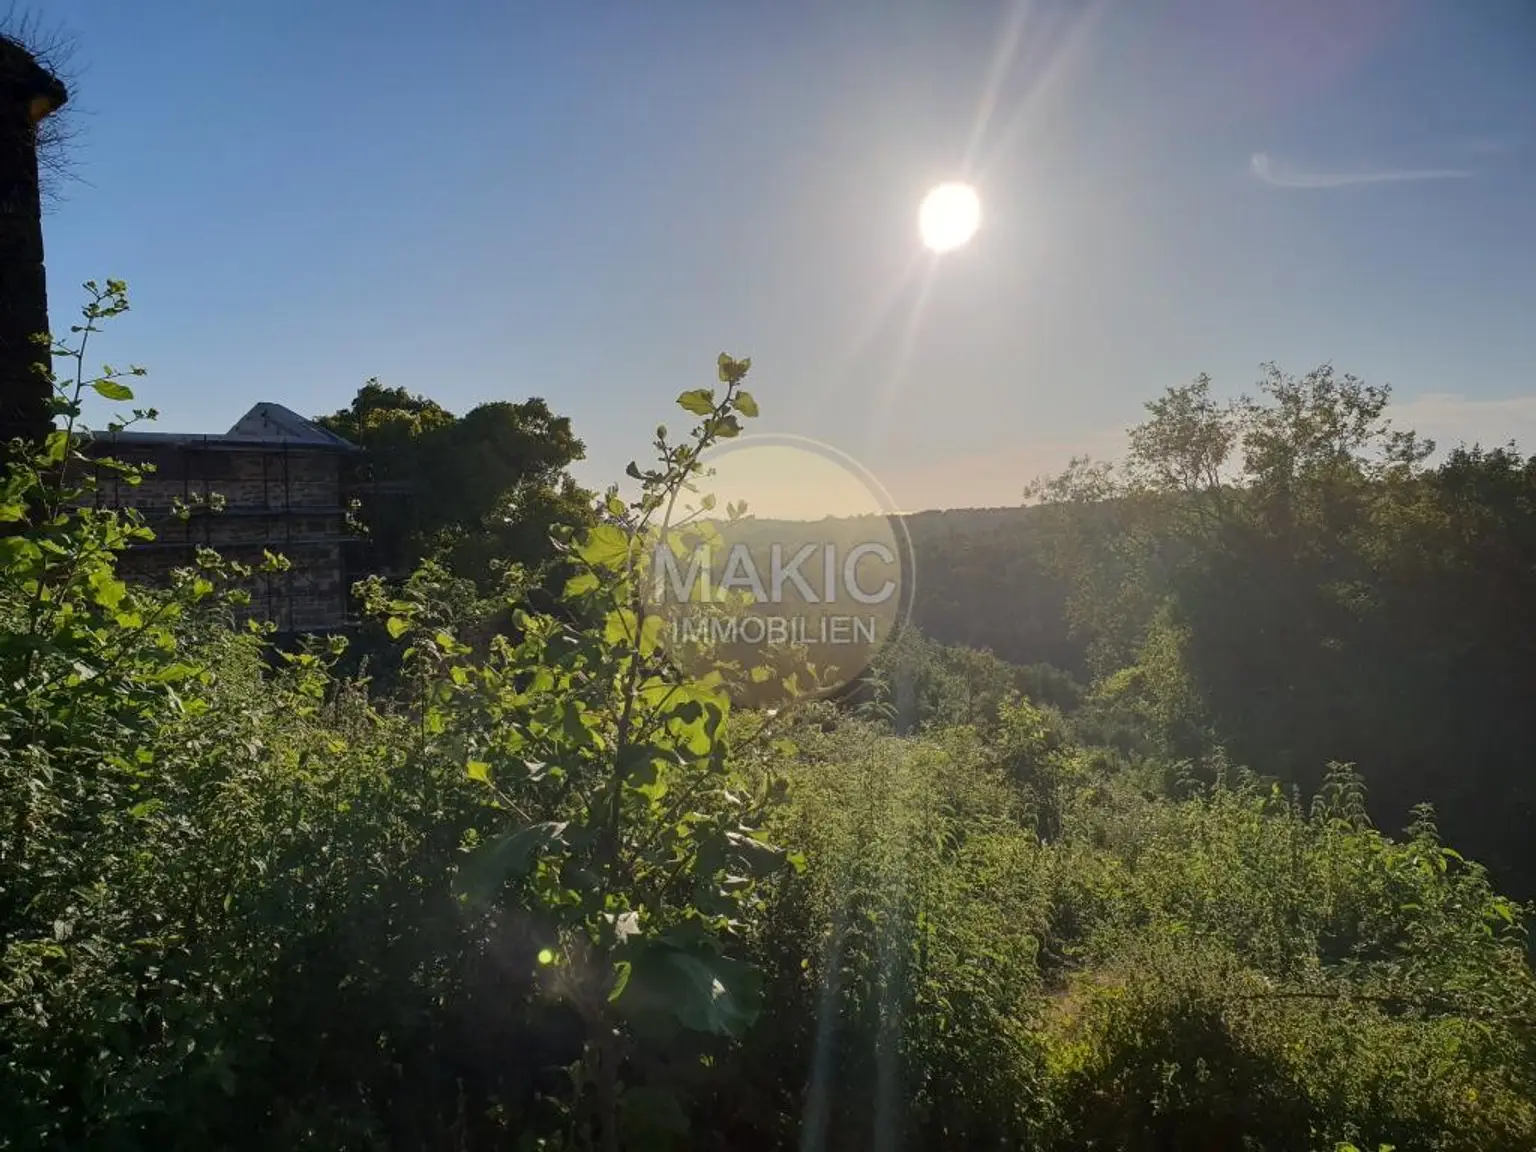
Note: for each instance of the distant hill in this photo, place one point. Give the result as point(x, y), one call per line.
point(979, 582)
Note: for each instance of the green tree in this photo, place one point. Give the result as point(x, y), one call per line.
point(1287, 577)
point(475, 490)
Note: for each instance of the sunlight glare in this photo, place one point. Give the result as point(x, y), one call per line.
point(949, 217)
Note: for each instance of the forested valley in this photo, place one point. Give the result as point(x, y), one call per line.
point(1191, 813)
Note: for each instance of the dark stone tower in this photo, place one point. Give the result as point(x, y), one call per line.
point(29, 93)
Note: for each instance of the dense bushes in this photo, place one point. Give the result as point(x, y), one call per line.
point(540, 891)
point(1163, 973)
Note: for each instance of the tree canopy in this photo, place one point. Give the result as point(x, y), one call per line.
point(1291, 578)
point(475, 488)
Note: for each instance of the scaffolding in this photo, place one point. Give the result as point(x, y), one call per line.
point(275, 494)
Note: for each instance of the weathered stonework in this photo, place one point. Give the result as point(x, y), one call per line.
point(28, 94)
point(283, 485)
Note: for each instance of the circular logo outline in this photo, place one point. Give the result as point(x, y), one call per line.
point(885, 509)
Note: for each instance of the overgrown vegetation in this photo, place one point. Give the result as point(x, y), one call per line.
point(543, 890)
point(1288, 577)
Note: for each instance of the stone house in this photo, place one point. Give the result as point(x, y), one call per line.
point(285, 485)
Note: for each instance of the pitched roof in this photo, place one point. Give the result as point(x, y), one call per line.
point(269, 421)
point(265, 423)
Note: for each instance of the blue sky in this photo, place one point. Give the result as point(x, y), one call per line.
point(589, 201)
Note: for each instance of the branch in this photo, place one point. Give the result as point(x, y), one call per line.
point(55, 49)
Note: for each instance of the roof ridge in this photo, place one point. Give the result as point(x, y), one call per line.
point(267, 415)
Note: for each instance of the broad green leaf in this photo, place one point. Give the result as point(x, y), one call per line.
point(619, 626)
point(580, 584)
point(106, 589)
point(112, 389)
point(55, 447)
point(478, 770)
point(396, 627)
point(650, 634)
point(701, 991)
point(605, 546)
point(17, 550)
point(745, 404)
point(504, 858)
point(699, 401)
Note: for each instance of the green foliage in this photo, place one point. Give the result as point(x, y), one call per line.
point(1301, 980)
point(538, 888)
point(199, 848)
point(1220, 971)
point(1286, 578)
point(920, 683)
point(641, 864)
point(145, 793)
point(904, 970)
point(985, 582)
point(473, 491)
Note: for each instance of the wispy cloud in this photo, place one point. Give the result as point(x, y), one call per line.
point(1283, 176)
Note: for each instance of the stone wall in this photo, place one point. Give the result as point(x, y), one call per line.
point(287, 500)
point(250, 477)
point(28, 93)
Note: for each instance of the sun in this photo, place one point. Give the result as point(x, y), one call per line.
point(949, 217)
